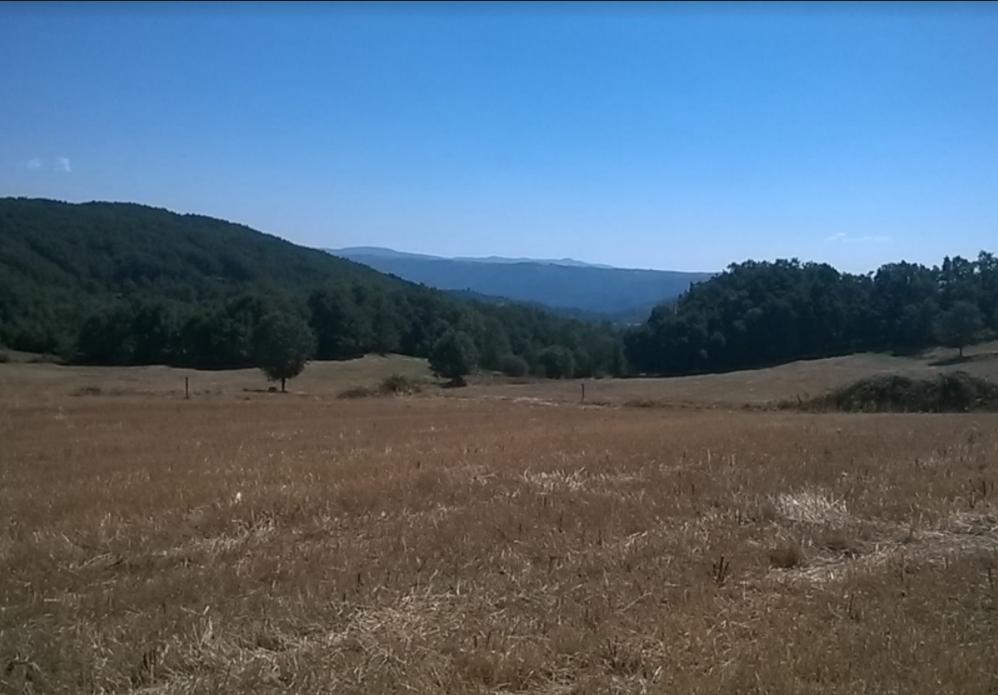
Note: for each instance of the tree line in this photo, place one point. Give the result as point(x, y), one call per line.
point(763, 313)
point(344, 321)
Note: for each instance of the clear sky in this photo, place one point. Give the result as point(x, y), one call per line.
point(668, 136)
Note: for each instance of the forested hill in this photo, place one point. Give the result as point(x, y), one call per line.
point(763, 313)
point(114, 283)
point(120, 283)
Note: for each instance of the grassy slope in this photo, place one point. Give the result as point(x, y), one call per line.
point(758, 386)
point(52, 382)
point(327, 379)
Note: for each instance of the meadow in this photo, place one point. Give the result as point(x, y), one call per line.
point(498, 538)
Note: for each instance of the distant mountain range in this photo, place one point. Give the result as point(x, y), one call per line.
point(624, 295)
point(382, 252)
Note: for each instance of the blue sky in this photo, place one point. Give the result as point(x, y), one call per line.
point(668, 136)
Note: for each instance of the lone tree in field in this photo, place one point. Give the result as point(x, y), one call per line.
point(958, 326)
point(454, 356)
point(284, 343)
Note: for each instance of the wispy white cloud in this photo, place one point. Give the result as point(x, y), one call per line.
point(62, 164)
point(843, 238)
point(33, 163)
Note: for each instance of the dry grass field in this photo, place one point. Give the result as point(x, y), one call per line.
point(807, 378)
point(34, 382)
point(246, 542)
point(31, 383)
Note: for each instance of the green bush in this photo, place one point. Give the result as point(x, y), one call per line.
point(356, 392)
point(952, 392)
point(398, 385)
point(46, 359)
point(512, 365)
point(394, 385)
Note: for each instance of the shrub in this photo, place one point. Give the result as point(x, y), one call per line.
point(953, 392)
point(512, 365)
point(396, 385)
point(645, 403)
point(46, 359)
point(356, 392)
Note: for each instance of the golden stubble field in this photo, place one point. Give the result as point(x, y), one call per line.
point(268, 543)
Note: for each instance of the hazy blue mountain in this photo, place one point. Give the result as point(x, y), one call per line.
point(382, 252)
point(571, 262)
point(582, 289)
point(379, 252)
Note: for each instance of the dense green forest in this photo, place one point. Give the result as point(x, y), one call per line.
point(762, 313)
point(115, 283)
point(112, 283)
